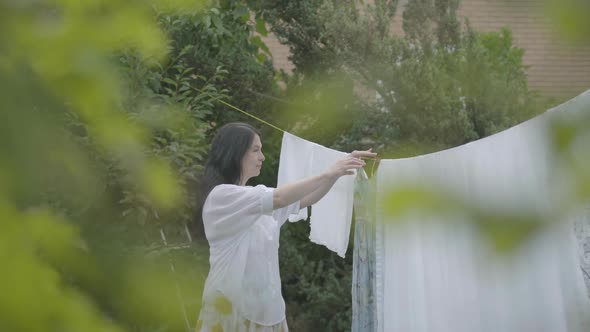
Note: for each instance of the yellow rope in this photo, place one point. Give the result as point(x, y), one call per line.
point(240, 110)
point(253, 116)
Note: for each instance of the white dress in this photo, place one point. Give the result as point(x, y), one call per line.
point(243, 289)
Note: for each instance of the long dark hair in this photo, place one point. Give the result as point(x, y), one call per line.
point(224, 163)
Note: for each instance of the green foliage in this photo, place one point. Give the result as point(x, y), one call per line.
point(66, 132)
point(450, 94)
point(221, 45)
point(569, 18)
point(212, 56)
point(106, 130)
point(439, 85)
point(316, 282)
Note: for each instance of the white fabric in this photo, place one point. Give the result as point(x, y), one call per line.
point(435, 273)
point(295, 165)
point(235, 323)
point(243, 234)
point(331, 217)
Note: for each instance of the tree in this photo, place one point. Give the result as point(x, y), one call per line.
point(441, 84)
point(57, 70)
point(102, 138)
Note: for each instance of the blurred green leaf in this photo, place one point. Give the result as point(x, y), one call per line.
point(570, 18)
point(507, 233)
point(407, 199)
point(261, 27)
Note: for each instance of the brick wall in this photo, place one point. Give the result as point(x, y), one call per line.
point(280, 53)
point(556, 68)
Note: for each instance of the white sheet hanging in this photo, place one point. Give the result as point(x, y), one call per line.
point(434, 273)
point(294, 165)
point(331, 217)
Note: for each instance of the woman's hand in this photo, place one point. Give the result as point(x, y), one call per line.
point(342, 167)
point(352, 162)
point(345, 167)
point(364, 154)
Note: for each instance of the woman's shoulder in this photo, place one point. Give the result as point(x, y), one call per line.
point(231, 196)
point(225, 190)
point(236, 187)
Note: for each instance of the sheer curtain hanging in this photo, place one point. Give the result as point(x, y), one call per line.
point(435, 273)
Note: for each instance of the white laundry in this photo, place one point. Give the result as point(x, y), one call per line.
point(295, 165)
point(433, 271)
point(332, 216)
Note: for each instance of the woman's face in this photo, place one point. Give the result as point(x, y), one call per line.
point(252, 160)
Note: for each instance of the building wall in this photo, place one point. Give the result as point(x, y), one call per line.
point(280, 53)
point(556, 68)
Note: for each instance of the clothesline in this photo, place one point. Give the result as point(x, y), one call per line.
point(263, 121)
point(240, 110)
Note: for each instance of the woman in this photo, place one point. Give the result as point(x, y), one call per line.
point(242, 223)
